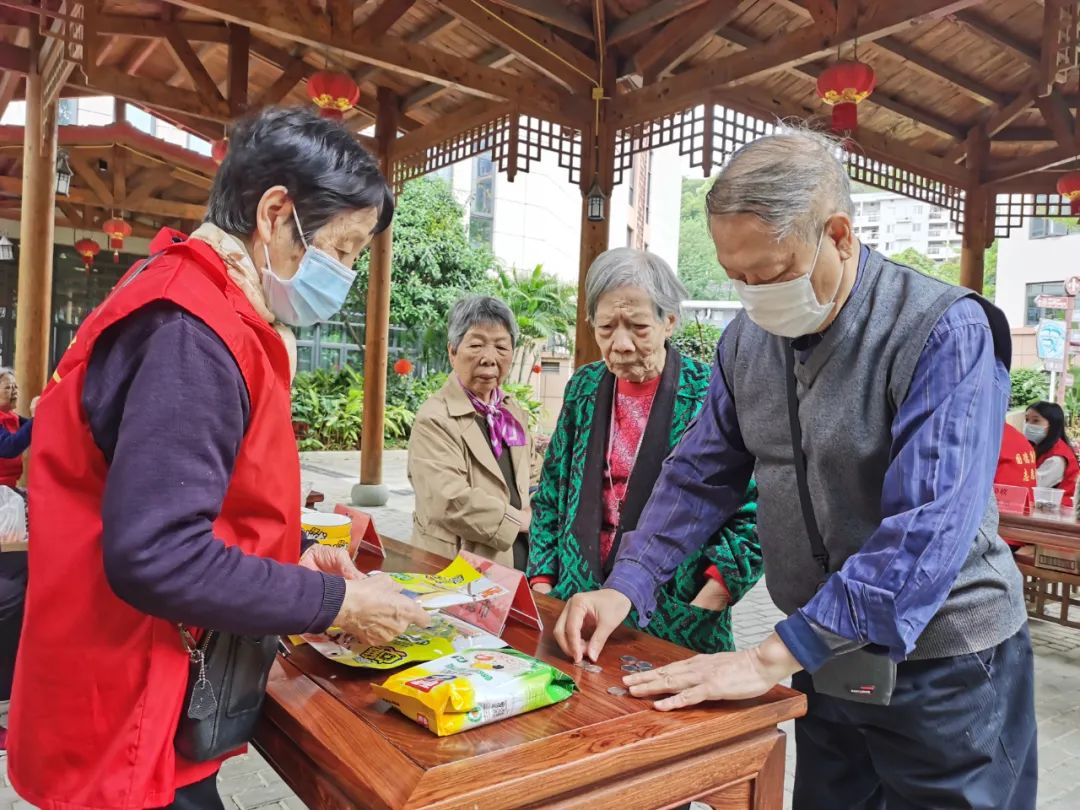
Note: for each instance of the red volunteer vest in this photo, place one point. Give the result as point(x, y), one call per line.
point(1072, 469)
point(98, 684)
point(10, 468)
point(1016, 465)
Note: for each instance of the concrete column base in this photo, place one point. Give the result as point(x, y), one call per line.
point(370, 494)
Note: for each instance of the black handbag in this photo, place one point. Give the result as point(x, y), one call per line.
point(225, 692)
point(863, 675)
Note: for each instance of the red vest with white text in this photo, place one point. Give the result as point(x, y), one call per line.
point(10, 468)
point(99, 684)
point(1072, 469)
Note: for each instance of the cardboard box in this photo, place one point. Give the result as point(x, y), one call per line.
point(1057, 559)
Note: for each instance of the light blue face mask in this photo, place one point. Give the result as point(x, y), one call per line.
point(315, 293)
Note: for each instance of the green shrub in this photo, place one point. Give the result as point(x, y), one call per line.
point(523, 394)
point(698, 340)
point(1029, 385)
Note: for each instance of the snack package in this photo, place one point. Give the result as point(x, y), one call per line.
point(446, 635)
point(457, 584)
point(473, 688)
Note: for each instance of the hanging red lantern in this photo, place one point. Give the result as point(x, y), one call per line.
point(844, 86)
point(219, 149)
point(403, 367)
point(1068, 186)
point(333, 92)
point(537, 368)
point(88, 249)
point(117, 230)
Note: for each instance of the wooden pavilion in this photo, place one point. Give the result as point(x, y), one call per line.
point(974, 108)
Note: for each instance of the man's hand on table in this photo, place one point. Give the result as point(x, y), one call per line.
point(722, 676)
point(374, 610)
point(333, 560)
point(599, 612)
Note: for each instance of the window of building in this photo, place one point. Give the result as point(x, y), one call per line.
point(632, 190)
point(629, 236)
point(1044, 227)
point(916, 226)
point(1033, 313)
point(482, 215)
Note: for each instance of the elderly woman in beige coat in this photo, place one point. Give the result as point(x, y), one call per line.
point(470, 451)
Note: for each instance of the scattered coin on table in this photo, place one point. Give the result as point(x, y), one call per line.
point(593, 668)
point(628, 659)
point(629, 668)
point(618, 691)
point(644, 666)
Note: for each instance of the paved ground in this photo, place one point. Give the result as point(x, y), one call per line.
point(248, 783)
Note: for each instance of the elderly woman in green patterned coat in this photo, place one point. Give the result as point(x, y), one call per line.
point(620, 419)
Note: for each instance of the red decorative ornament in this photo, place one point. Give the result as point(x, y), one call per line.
point(537, 368)
point(333, 92)
point(219, 149)
point(844, 86)
point(88, 249)
point(1068, 186)
point(403, 367)
point(117, 230)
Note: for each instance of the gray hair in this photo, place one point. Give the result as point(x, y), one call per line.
point(5, 371)
point(479, 310)
point(626, 267)
point(792, 180)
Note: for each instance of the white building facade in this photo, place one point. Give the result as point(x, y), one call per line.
point(892, 223)
point(536, 219)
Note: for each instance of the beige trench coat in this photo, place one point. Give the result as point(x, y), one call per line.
point(462, 500)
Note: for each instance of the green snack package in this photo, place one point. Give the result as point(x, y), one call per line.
point(473, 688)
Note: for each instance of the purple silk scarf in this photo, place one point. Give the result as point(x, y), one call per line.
point(503, 427)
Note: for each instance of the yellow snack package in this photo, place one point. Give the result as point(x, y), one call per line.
point(446, 635)
point(474, 688)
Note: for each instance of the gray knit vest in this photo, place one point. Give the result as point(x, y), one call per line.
point(849, 390)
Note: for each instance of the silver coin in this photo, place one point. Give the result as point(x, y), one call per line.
point(618, 691)
point(643, 666)
point(628, 659)
point(593, 668)
point(629, 668)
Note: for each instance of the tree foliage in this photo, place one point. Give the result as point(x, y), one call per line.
point(705, 280)
point(949, 271)
point(433, 261)
point(543, 307)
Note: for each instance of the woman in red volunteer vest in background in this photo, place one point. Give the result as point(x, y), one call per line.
point(1056, 464)
point(1015, 467)
point(164, 479)
point(19, 428)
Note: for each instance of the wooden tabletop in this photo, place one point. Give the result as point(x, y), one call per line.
point(1058, 531)
point(338, 746)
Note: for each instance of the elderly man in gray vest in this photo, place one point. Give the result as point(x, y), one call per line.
point(867, 400)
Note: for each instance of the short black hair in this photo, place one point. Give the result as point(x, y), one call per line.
point(320, 163)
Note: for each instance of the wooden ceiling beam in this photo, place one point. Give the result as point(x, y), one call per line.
point(996, 119)
point(143, 51)
point(144, 27)
point(1050, 48)
point(1003, 37)
point(292, 75)
point(790, 49)
point(932, 67)
point(153, 93)
point(652, 15)
point(529, 40)
point(1025, 135)
point(441, 22)
point(148, 183)
point(89, 175)
point(497, 58)
point(239, 67)
point(395, 53)
point(1031, 164)
point(551, 12)
point(118, 170)
point(685, 36)
point(1057, 115)
point(14, 58)
point(196, 70)
point(383, 18)
point(341, 14)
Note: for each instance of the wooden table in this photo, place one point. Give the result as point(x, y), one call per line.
point(338, 747)
point(1043, 586)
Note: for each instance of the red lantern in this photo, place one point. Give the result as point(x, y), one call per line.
point(843, 86)
point(403, 367)
point(537, 368)
point(334, 93)
point(219, 149)
point(1068, 186)
point(117, 230)
point(88, 249)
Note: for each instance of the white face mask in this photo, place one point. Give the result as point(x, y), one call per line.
point(789, 309)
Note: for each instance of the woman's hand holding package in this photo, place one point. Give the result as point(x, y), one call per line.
point(375, 611)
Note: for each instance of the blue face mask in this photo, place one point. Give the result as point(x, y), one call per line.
point(315, 293)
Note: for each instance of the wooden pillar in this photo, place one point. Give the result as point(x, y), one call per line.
point(978, 230)
point(371, 491)
point(597, 162)
point(33, 318)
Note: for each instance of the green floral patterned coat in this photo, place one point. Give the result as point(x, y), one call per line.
point(564, 540)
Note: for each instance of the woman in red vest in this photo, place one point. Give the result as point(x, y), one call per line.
point(1016, 468)
point(1057, 467)
point(16, 436)
point(165, 484)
